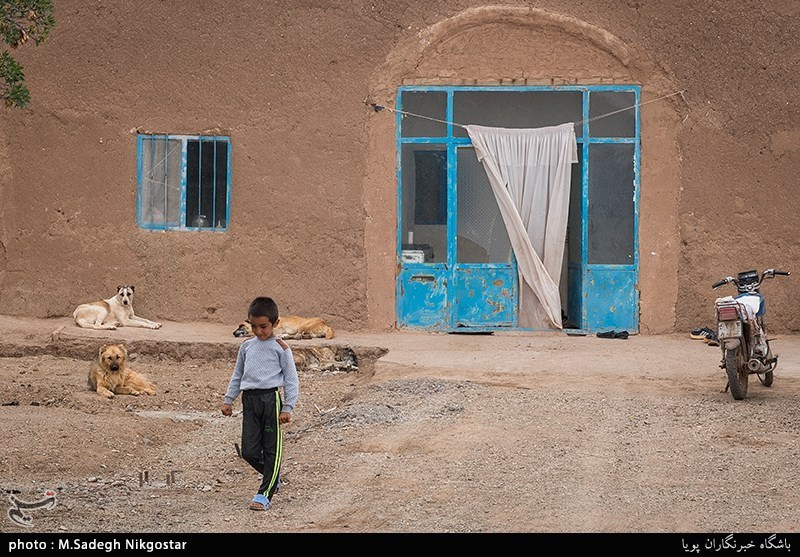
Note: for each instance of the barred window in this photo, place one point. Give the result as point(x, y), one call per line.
point(183, 182)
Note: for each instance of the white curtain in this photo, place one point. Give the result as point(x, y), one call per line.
point(530, 172)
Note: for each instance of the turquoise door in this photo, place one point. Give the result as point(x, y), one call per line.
point(485, 278)
point(611, 257)
point(456, 266)
point(456, 269)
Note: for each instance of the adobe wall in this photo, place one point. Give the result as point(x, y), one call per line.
point(285, 83)
point(313, 211)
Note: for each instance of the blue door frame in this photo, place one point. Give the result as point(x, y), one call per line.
point(602, 282)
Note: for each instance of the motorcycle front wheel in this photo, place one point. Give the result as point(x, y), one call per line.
point(768, 377)
point(737, 372)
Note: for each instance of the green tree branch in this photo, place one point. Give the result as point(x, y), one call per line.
point(21, 21)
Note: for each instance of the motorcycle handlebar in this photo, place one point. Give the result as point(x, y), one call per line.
point(766, 274)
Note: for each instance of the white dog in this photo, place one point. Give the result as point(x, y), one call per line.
point(112, 313)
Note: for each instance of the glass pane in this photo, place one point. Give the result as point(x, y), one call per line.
point(621, 124)
point(611, 206)
point(424, 200)
point(161, 181)
point(206, 183)
point(516, 109)
point(430, 173)
point(481, 232)
point(425, 103)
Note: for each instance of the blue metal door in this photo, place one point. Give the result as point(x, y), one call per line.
point(457, 270)
point(611, 214)
point(456, 267)
point(485, 281)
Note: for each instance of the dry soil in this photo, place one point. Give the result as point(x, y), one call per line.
point(443, 433)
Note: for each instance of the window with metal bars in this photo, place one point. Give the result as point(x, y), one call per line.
point(183, 182)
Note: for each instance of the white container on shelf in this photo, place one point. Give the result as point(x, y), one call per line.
point(413, 256)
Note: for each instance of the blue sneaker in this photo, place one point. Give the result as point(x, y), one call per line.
point(259, 503)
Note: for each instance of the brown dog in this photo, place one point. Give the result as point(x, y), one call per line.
point(111, 375)
point(292, 327)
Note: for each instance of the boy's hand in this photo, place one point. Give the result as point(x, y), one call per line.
point(227, 409)
point(284, 417)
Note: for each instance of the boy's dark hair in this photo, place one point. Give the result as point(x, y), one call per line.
point(264, 307)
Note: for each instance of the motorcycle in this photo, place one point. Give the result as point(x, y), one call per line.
point(742, 332)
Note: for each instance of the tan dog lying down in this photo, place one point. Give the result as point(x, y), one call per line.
point(110, 374)
point(292, 327)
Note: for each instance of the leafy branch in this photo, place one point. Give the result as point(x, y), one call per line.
point(20, 22)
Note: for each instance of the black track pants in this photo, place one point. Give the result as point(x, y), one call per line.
point(261, 435)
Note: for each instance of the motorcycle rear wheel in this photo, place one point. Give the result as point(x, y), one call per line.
point(737, 373)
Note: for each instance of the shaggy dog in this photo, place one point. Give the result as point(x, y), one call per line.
point(292, 327)
point(112, 313)
point(111, 375)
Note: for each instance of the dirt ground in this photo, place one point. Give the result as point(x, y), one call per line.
point(527, 432)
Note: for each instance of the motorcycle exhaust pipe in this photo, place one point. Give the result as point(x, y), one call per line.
point(754, 365)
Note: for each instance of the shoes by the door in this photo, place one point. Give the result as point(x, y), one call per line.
point(613, 334)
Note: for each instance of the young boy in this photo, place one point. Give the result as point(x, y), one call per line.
point(264, 364)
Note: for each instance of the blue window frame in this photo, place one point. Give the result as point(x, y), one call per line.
point(183, 182)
